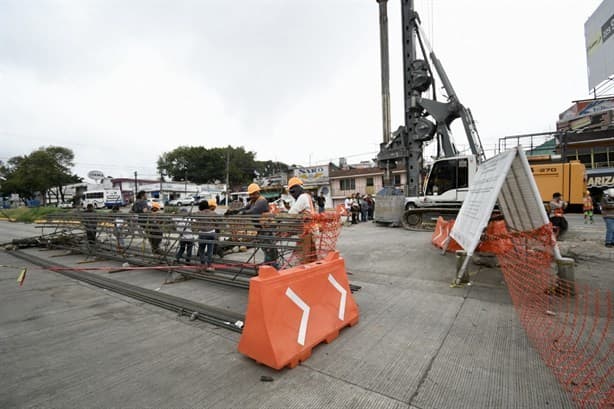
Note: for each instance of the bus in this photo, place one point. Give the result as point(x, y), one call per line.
point(102, 198)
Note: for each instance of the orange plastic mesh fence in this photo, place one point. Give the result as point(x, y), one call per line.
point(568, 323)
point(320, 234)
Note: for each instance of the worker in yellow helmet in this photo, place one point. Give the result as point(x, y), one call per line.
point(302, 200)
point(256, 204)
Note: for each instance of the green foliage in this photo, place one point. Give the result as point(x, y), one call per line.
point(38, 172)
point(29, 214)
point(201, 165)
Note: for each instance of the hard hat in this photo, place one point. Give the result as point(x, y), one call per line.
point(294, 181)
point(155, 205)
point(253, 188)
point(212, 203)
point(609, 192)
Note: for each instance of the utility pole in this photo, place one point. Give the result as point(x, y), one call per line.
point(160, 196)
point(135, 186)
point(185, 181)
point(227, 172)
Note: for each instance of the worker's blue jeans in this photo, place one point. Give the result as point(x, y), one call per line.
point(205, 247)
point(609, 230)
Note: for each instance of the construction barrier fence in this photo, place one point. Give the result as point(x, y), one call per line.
point(567, 322)
point(280, 240)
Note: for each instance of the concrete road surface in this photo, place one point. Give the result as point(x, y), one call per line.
point(419, 343)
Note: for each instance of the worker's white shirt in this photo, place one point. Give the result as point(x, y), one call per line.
point(302, 205)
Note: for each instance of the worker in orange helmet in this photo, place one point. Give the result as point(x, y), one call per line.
point(303, 202)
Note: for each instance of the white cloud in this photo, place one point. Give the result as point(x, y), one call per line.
point(121, 82)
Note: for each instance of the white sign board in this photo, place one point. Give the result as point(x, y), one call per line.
point(312, 174)
point(599, 40)
point(480, 201)
point(507, 178)
point(95, 175)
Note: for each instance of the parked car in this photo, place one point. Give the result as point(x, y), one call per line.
point(65, 205)
point(152, 200)
point(182, 201)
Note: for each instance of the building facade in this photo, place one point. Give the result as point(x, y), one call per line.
point(363, 180)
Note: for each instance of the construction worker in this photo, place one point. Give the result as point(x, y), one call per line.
point(607, 211)
point(303, 202)
point(206, 235)
point(587, 207)
point(258, 205)
point(212, 204)
point(557, 207)
point(302, 205)
point(154, 231)
point(90, 223)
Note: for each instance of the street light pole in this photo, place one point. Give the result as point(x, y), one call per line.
point(135, 186)
point(160, 195)
point(227, 172)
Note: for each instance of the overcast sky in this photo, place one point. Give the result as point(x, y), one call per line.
point(120, 82)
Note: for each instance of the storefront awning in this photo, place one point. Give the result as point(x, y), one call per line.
point(600, 177)
point(271, 195)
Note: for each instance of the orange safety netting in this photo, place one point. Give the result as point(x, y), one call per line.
point(569, 323)
point(320, 234)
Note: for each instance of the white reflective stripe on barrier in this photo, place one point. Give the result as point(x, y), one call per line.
point(302, 331)
point(344, 295)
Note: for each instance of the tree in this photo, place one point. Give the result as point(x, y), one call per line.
point(269, 168)
point(38, 172)
point(201, 165)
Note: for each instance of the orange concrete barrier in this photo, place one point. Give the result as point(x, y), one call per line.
point(495, 237)
point(341, 210)
point(291, 311)
point(442, 232)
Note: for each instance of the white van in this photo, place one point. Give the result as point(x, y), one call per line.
point(102, 198)
point(201, 196)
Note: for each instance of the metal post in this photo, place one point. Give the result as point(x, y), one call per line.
point(413, 161)
point(462, 276)
point(135, 185)
point(385, 68)
point(567, 278)
point(160, 194)
point(227, 172)
point(185, 182)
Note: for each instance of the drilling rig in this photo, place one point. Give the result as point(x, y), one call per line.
point(442, 192)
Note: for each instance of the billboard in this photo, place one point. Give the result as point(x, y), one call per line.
point(599, 42)
point(312, 175)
